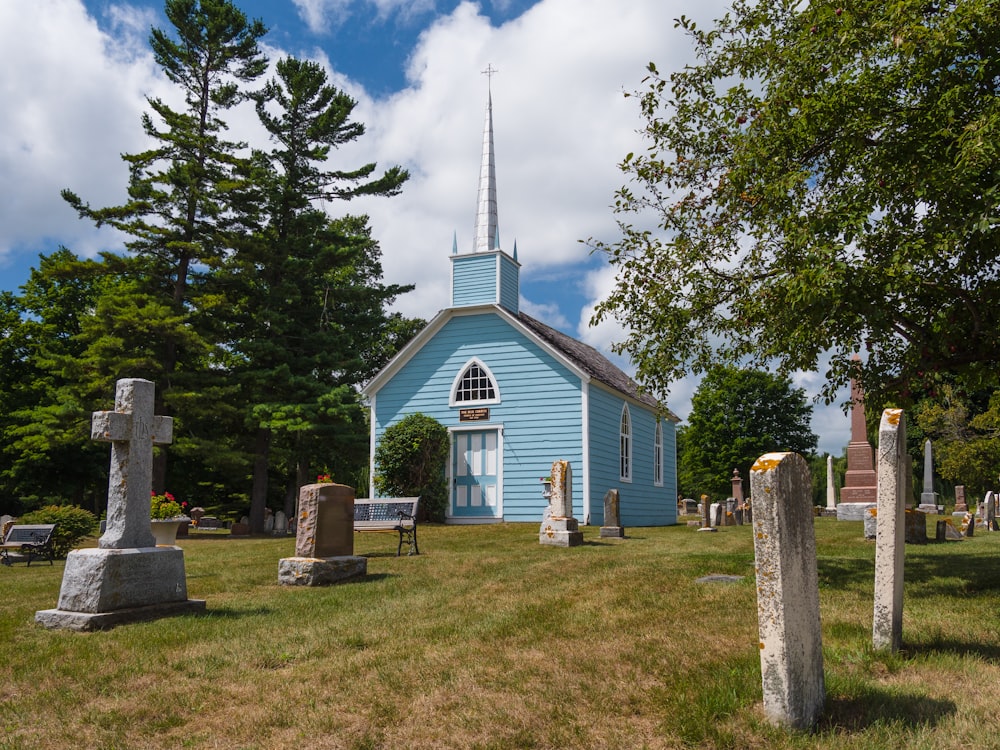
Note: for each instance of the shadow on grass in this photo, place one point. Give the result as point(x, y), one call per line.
point(881, 707)
point(936, 573)
point(939, 645)
point(371, 555)
point(233, 613)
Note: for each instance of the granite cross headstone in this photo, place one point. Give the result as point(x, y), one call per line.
point(132, 430)
point(126, 578)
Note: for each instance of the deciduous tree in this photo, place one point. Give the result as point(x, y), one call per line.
point(737, 416)
point(824, 180)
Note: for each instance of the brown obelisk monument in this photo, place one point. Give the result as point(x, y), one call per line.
point(860, 489)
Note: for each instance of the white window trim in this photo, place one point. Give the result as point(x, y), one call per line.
point(658, 454)
point(452, 401)
point(625, 441)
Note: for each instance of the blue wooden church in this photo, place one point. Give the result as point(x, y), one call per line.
point(516, 395)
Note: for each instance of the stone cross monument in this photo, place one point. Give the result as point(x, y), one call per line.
point(132, 431)
point(126, 578)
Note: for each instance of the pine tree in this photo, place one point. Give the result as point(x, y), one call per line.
point(306, 289)
point(179, 214)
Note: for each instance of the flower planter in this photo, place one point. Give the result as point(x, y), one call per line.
point(165, 530)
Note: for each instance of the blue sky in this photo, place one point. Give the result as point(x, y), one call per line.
point(76, 73)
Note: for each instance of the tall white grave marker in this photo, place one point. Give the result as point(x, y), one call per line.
point(791, 647)
point(831, 493)
point(127, 577)
point(887, 624)
point(928, 498)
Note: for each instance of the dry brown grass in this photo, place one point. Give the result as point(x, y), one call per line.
point(489, 640)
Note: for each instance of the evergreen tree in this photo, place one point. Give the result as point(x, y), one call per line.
point(179, 212)
point(737, 416)
point(306, 289)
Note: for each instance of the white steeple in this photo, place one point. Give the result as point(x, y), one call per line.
point(486, 237)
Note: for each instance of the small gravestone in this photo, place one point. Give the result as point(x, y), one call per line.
point(559, 528)
point(887, 623)
point(791, 648)
point(989, 514)
point(916, 526)
point(612, 526)
point(280, 522)
point(126, 578)
point(960, 505)
point(268, 521)
point(239, 529)
point(871, 523)
point(324, 540)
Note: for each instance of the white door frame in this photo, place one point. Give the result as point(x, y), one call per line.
point(474, 427)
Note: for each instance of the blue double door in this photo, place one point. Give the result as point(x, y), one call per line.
point(475, 475)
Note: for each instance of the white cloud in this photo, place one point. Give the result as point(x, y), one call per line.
point(319, 15)
point(73, 102)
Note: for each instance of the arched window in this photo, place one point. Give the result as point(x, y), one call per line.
point(626, 445)
point(474, 385)
point(658, 455)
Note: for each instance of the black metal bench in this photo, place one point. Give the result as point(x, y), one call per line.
point(30, 541)
point(397, 514)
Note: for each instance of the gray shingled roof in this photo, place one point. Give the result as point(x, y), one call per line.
point(592, 362)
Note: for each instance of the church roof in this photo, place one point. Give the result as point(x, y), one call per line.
point(592, 362)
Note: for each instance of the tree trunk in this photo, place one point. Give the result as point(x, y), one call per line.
point(258, 492)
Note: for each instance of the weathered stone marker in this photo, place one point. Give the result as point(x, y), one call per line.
point(126, 578)
point(559, 528)
point(612, 526)
point(791, 647)
point(324, 539)
point(887, 623)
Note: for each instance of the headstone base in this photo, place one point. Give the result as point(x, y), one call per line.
point(102, 588)
point(560, 532)
point(87, 621)
point(925, 508)
point(315, 571)
point(612, 532)
point(853, 511)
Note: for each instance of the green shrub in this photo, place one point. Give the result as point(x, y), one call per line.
point(410, 460)
point(72, 525)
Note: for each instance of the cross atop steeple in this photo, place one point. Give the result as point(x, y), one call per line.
point(486, 237)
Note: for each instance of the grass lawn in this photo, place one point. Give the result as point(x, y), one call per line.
point(489, 640)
